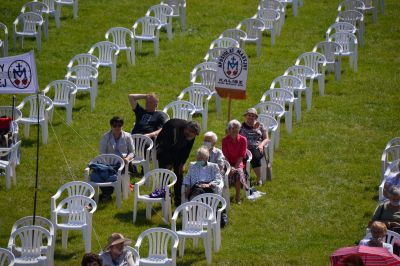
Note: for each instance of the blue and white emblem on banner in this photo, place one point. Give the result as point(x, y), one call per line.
point(18, 74)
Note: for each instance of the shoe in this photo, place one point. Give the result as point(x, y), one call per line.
point(259, 183)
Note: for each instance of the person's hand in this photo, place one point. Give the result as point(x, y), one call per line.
point(261, 148)
point(204, 185)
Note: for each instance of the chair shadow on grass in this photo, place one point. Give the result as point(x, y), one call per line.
point(196, 254)
point(141, 220)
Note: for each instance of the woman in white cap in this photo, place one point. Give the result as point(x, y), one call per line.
point(114, 253)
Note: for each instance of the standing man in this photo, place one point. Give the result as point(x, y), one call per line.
point(148, 121)
point(174, 144)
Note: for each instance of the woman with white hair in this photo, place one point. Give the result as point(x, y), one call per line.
point(234, 147)
point(202, 176)
point(216, 155)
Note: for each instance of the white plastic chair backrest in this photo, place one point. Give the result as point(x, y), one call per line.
point(194, 214)
point(50, 4)
point(208, 78)
point(181, 109)
point(10, 111)
point(270, 108)
point(268, 16)
point(268, 121)
point(272, 4)
point(393, 167)
point(34, 109)
point(119, 35)
point(224, 42)
point(29, 21)
point(77, 207)
point(213, 54)
point(392, 153)
point(392, 142)
point(143, 145)
point(84, 59)
point(175, 4)
point(279, 96)
point(35, 7)
point(160, 178)
point(12, 153)
point(62, 90)
point(75, 188)
point(302, 72)
point(351, 5)
point(135, 254)
point(253, 27)
point(290, 83)
point(215, 201)
point(83, 75)
point(39, 221)
point(347, 40)
point(197, 95)
point(203, 66)
point(390, 237)
point(6, 257)
point(31, 238)
point(105, 51)
point(149, 26)
point(342, 27)
point(312, 60)
point(235, 34)
point(368, 3)
point(162, 12)
point(110, 159)
point(328, 49)
point(351, 16)
point(160, 241)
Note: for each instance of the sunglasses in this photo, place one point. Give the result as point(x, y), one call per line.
point(117, 125)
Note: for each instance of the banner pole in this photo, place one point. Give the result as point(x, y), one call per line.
point(229, 107)
point(12, 109)
point(37, 157)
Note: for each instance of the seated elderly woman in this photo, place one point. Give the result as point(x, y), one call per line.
point(216, 155)
point(378, 232)
point(234, 147)
point(202, 176)
point(257, 138)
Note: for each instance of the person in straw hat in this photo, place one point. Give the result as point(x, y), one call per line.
point(114, 253)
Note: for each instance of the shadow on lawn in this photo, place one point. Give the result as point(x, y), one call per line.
point(140, 217)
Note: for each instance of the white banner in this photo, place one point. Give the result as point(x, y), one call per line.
point(18, 74)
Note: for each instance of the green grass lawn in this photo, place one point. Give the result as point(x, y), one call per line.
point(326, 173)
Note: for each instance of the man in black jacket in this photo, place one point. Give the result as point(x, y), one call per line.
point(174, 143)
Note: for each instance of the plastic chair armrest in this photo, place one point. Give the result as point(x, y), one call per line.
point(141, 182)
point(180, 96)
point(91, 50)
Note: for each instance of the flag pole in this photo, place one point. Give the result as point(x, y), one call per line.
point(37, 158)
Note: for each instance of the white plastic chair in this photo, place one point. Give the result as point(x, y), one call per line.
point(277, 6)
point(224, 42)
point(213, 54)
point(331, 51)
point(369, 7)
point(350, 5)
point(207, 78)
point(13, 112)
point(84, 59)
point(316, 62)
point(6, 257)
point(80, 213)
point(30, 240)
point(253, 28)
point(295, 86)
point(28, 25)
point(64, 96)
point(389, 155)
point(73, 3)
point(4, 42)
point(270, 124)
point(51, 4)
point(199, 96)
point(271, 19)
point(392, 142)
point(294, 3)
point(281, 97)
point(43, 222)
point(40, 9)
point(107, 52)
point(119, 36)
point(164, 13)
point(392, 169)
point(247, 161)
point(340, 27)
point(306, 75)
point(159, 179)
point(85, 79)
point(194, 217)
point(218, 205)
point(43, 111)
point(9, 165)
point(203, 66)
point(235, 34)
point(161, 241)
point(390, 237)
point(225, 190)
point(349, 44)
point(276, 111)
point(149, 32)
point(179, 10)
point(355, 18)
point(181, 110)
point(135, 254)
point(109, 159)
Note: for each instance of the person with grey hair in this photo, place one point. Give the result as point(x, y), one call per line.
point(234, 148)
point(216, 155)
point(202, 176)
